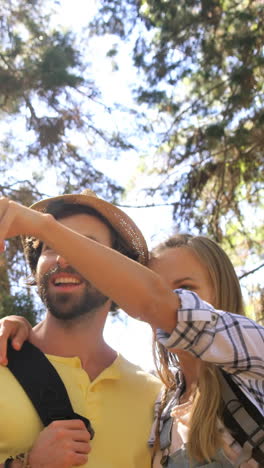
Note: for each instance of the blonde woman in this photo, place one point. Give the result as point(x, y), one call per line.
point(194, 339)
point(189, 424)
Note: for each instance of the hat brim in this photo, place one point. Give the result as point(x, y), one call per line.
point(119, 220)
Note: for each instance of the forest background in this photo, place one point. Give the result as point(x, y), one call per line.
point(156, 105)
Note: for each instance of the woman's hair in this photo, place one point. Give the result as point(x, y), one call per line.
point(204, 438)
point(225, 283)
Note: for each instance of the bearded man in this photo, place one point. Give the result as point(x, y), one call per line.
point(63, 239)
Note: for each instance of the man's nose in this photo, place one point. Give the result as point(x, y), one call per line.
point(61, 261)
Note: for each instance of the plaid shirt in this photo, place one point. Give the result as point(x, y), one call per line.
point(233, 342)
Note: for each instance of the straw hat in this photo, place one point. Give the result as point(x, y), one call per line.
point(119, 220)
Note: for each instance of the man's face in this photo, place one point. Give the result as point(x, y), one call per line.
point(65, 293)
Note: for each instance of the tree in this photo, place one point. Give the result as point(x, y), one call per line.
point(18, 303)
point(202, 63)
point(45, 87)
point(47, 97)
point(200, 66)
point(203, 67)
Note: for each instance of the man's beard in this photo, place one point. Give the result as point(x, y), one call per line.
point(70, 306)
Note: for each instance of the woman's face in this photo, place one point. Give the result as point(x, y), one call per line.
point(181, 267)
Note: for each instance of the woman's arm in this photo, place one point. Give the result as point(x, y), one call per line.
point(135, 288)
point(233, 342)
point(15, 327)
point(228, 340)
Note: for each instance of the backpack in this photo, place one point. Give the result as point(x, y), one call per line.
point(42, 384)
point(242, 418)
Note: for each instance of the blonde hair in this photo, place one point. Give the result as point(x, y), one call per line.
point(204, 439)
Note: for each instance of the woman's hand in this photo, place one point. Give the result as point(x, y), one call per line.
point(62, 444)
point(16, 219)
point(17, 329)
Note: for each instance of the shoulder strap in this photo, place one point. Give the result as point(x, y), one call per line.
point(43, 385)
point(242, 417)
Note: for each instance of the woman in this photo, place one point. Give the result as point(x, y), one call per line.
point(200, 265)
point(199, 338)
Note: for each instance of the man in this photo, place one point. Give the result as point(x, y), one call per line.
point(66, 240)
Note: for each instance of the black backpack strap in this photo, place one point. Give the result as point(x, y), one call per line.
point(43, 385)
point(242, 417)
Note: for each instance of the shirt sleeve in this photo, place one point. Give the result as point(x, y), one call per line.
point(228, 340)
point(231, 341)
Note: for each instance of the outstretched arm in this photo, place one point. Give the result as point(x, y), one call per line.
point(136, 289)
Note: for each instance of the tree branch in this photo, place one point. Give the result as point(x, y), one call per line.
point(251, 271)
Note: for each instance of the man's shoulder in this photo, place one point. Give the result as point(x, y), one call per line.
point(135, 372)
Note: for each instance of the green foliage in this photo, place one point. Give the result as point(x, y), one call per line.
point(45, 101)
point(255, 307)
point(44, 91)
point(202, 63)
point(202, 66)
point(56, 61)
point(19, 304)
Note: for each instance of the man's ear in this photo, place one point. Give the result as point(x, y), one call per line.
point(30, 281)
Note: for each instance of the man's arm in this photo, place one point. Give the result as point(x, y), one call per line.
point(62, 444)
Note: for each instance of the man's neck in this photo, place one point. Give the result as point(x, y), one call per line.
point(82, 338)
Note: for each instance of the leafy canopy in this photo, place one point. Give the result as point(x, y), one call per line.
point(202, 64)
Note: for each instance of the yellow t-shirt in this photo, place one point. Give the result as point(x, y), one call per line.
point(119, 403)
